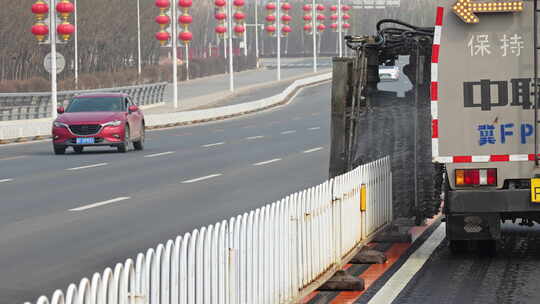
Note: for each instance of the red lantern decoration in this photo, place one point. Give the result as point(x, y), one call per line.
point(334, 26)
point(40, 9)
point(286, 18)
point(40, 30)
point(163, 4)
point(307, 28)
point(220, 29)
point(333, 8)
point(270, 6)
point(346, 25)
point(238, 2)
point(346, 17)
point(65, 29)
point(239, 16)
point(220, 3)
point(321, 17)
point(221, 16)
point(163, 20)
point(286, 6)
point(270, 29)
point(286, 29)
point(185, 19)
point(185, 36)
point(185, 3)
point(321, 27)
point(65, 8)
point(306, 8)
point(271, 18)
point(345, 7)
point(320, 7)
point(334, 17)
point(239, 29)
point(307, 18)
point(163, 37)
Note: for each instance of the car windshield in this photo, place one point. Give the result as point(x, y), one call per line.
point(96, 104)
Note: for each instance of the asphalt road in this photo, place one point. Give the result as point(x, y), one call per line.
point(52, 232)
point(218, 83)
point(509, 277)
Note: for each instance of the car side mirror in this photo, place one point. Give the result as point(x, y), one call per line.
point(60, 110)
point(132, 109)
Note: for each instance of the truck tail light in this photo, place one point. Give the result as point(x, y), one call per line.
point(476, 177)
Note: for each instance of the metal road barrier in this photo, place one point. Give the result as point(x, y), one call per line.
point(265, 256)
point(14, 130)
point(19, 106)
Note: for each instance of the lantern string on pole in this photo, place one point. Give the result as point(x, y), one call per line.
point(62, 31)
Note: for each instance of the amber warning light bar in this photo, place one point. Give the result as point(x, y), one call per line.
point(467, 10)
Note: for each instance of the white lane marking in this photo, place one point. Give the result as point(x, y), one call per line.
point(5, 180)
point(315, 114)
point(313, 150)
point(267, 162)
point(288, 132)
point(400, 279)
point(315, 128)
point(219, 130)
point(213, 145)
point(249, 127)
point(13, 157)
point(255, 137)
point(98, 204)
point(86, 167)
point(189, 181)
point(297, 118)
point(159, 154)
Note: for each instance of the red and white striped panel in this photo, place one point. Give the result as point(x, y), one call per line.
point(435, 111)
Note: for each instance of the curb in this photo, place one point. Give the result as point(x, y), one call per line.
point(282, 102)
point(420, 234)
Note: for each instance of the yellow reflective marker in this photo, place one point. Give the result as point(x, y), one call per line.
point(535, 190)
point(363, 198)
point(467, 10)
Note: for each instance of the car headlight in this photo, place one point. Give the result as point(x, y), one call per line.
point(114, 123)
point(60, 124)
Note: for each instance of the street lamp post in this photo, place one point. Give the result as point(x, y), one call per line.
point(314, 31)
point(230, 33)
point(340, 29)
point(257, 31)
point(76, 45)
point(278, 37)
point(54, 94)
point(138, 38)
point(175, 53)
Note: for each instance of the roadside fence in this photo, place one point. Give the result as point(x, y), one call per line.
point(265, 256)
point(19, 106)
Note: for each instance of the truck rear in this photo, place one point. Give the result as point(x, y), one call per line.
point(484, 126)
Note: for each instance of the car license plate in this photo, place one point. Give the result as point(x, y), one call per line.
point(535, 190)
point(85, 140)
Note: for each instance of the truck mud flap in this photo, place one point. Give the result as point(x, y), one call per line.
point(475, 226)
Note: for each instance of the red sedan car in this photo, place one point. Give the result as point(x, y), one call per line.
point(108, 119)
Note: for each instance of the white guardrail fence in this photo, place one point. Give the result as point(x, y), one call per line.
point(15, 129)
point(265, 256)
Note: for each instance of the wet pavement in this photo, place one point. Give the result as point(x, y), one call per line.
point(511, 276)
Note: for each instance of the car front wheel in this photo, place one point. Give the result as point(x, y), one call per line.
point(58, 150)
point(124, 147)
